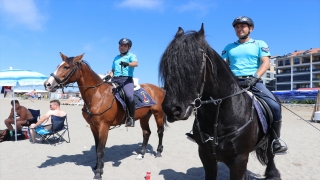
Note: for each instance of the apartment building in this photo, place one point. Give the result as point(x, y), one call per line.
point(299, 69)
point(269, 77)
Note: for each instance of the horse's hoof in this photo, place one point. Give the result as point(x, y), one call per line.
point(139, 157)
point(97, 177)
point(158, 154)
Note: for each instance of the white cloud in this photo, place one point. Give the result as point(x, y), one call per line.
point(197, 6)
point(22, 12)
point(142, 4)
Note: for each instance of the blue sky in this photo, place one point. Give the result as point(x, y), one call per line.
point(33, 32)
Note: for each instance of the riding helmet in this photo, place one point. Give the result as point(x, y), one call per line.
point(243, 20)
point(125, 41)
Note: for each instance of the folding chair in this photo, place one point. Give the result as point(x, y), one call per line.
point(59, 127)
point(36, 116)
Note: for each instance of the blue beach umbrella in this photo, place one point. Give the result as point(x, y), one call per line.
point(18, 77)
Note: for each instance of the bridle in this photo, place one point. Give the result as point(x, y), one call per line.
point(197, 102)
point(62, 84)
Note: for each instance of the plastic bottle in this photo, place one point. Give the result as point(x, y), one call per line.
point(148, 175)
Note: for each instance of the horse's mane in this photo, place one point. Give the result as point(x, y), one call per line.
point(69, 60)
point(181, 63)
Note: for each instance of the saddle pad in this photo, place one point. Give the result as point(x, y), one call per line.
point(141, 98)
point(261, 116)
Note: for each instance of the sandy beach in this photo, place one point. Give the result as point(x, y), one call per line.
point(179, 161)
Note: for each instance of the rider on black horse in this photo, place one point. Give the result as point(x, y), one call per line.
point(122, 72)
point(249, 59)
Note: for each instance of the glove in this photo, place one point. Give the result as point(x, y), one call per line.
point(249, 82)
point(107, 78)
point(124, 64)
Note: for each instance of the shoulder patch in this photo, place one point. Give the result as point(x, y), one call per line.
point(265, 49)
point(223, 52)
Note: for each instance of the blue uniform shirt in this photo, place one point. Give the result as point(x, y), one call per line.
point(244, 59)
point(123, 71)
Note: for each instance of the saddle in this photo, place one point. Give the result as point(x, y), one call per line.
point(266, 113)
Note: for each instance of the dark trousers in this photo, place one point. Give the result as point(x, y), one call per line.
point(127, 85)
point(269, 98)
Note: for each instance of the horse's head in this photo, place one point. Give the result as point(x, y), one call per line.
point(182, 71)
point(64, 74)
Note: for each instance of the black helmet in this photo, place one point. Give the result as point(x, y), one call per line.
point(243, 20)
point(125, 41)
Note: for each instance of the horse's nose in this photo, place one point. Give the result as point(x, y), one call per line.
point(172, 110)
point(176, 111)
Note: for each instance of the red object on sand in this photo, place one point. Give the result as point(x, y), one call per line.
point(26, 134)
point(148, 176)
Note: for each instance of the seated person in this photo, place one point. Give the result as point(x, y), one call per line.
point(21, 111)
point(32, 95)
point(46, 119)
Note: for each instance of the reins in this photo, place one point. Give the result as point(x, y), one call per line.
point(198, 102)
point(62, 85)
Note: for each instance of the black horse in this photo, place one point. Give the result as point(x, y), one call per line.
point(226, 127)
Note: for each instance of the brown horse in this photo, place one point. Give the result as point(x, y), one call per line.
point(101, 109)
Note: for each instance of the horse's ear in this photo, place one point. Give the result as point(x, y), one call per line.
point(180, 32)
point(64, 57)
point(78, 58)
point(200, 33)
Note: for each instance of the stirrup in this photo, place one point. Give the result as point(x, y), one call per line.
point(190, 137)
point(129, 122)
point(279, 153)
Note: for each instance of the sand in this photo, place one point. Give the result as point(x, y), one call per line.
point(179, 161)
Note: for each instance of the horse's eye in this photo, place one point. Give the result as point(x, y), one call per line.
point(66, 67)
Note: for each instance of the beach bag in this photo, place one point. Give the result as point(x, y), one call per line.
point(20, 136)
point(4, 135)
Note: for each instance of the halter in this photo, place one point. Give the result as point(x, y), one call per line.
point(196, 104)
point(61, 83)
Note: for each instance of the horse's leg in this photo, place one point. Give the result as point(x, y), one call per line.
point(102, 139)
point(95, 134)
point(210, 165)
point(144, 123)
point(238, 167)
point(160, 120)
point(271, 171)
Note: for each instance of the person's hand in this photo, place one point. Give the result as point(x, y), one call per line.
point(249, 82)
point(107, 78)
point(124, 64)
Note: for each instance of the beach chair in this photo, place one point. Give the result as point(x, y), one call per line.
point(36, 116)
point(68, 101)
point(81, 102)
point(75, 101)
point(59, 126)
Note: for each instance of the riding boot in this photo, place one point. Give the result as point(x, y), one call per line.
point(132, 110)
point(277, 147)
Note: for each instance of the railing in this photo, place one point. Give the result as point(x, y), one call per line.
point(306, 61)
point(314, 70)
point(283, 81)
point(295, 80)
point(283, 73)
point(302, 71)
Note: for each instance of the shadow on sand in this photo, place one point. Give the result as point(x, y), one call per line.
point(112, 154)
point(198, 173)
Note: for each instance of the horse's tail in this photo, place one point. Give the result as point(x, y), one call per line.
point(261, 152)
point(165, 121)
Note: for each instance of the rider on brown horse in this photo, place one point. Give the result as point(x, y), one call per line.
point(122, 72)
